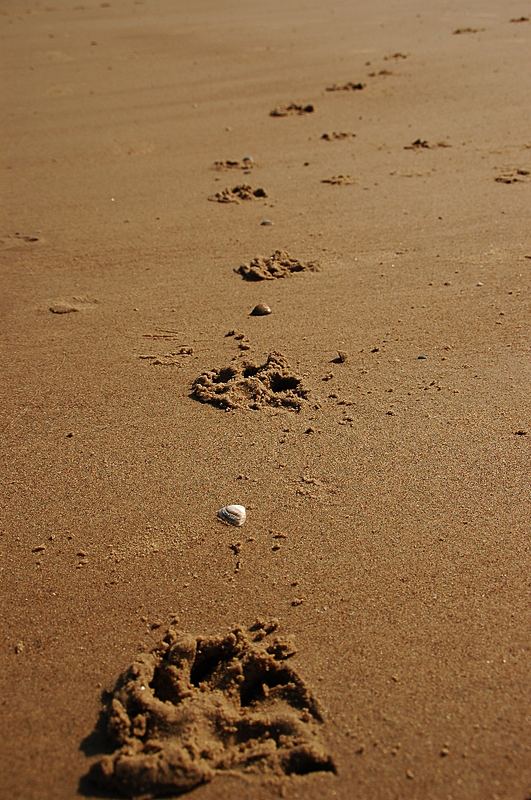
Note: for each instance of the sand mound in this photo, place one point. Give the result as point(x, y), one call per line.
point(197, 706)
point(278, 265)
point(247, 385)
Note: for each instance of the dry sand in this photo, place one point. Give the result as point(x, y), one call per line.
point(386, 517)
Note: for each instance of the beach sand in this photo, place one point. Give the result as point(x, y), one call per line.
point(386, 504)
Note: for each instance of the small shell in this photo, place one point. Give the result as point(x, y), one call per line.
point(260, 310)
point(234, 515)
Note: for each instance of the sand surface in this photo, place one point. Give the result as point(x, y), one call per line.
point(385, 518)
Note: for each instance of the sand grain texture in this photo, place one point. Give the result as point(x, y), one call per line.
point(387, 517)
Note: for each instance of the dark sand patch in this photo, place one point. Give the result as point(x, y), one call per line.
point(339, 180)
point(349, 86)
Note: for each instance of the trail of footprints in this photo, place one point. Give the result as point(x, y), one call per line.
point(273, 383)
point(246, 384)
point(198, 706)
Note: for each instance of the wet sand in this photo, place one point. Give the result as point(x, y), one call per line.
point(386, 524)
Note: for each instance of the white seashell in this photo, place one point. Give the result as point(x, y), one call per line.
point(234, 515)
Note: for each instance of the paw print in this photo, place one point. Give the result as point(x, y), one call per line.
point(198, 706)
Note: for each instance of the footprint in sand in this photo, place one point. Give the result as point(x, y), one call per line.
point(252, 386)
point(350, 86)
point(16, 240)
point(517, 175)
point(292, 109)
point(278, 265)
point(339, 180)
point(237, 194)
point(198, 706)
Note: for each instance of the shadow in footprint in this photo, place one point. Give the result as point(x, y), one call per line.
point(97, 743)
